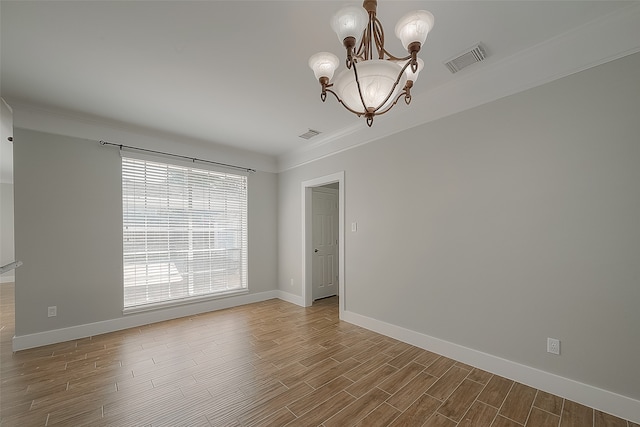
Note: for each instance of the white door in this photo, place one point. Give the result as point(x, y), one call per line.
point(325, 242)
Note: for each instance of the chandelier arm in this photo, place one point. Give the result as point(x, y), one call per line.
point(378, 113)
point(404, 67)
point(379, 42)
point(375, 110)
point(370, 34)
point(395, 58)
point(412, 60)
point(371, 110)
point(349, 43)
point(355, 72)
point(357, 113)
point(361, 48)
point(378, 37)
point(371, 114)
point(373, 35)
point(390, 56)
point(364, 51)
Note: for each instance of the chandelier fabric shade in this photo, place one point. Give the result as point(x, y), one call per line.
point(374, 80)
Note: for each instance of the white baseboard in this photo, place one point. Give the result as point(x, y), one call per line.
point(289, 297)
point(8, 279)
point(603, 400)
point(24, 342)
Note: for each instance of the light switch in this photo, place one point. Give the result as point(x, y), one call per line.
point(354, 226)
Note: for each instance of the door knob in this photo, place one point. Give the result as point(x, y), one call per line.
point(315, 250)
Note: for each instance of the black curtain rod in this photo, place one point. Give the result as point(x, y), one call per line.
point(193, 159)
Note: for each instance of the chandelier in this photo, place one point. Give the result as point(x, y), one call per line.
point(374, 80)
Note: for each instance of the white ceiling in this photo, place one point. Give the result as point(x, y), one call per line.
point(235, 72)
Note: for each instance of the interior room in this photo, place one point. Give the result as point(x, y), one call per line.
point(464, 252)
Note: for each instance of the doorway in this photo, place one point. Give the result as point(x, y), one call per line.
point(335, 181)
point(7, 249)
point(325, 265)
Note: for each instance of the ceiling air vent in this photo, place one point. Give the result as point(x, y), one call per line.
point(470, 56)
point(310, 134)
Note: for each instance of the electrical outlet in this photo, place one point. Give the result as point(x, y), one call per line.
point(553, 346)
point(52, 311)
point(292, 282)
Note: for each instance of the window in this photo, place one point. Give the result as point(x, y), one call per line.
point(184, 232)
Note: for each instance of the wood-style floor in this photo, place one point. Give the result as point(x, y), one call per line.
point(266, 364)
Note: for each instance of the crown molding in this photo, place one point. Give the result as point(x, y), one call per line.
point(84, 126)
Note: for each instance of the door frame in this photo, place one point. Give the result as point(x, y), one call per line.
point(307, 237)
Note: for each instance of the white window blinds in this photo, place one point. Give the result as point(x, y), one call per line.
point(184, 232)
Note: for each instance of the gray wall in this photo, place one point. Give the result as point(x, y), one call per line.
point(6, 227)
point(68, 228)
point(501, 226)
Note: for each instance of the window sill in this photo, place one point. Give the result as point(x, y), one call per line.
point(182, 301)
